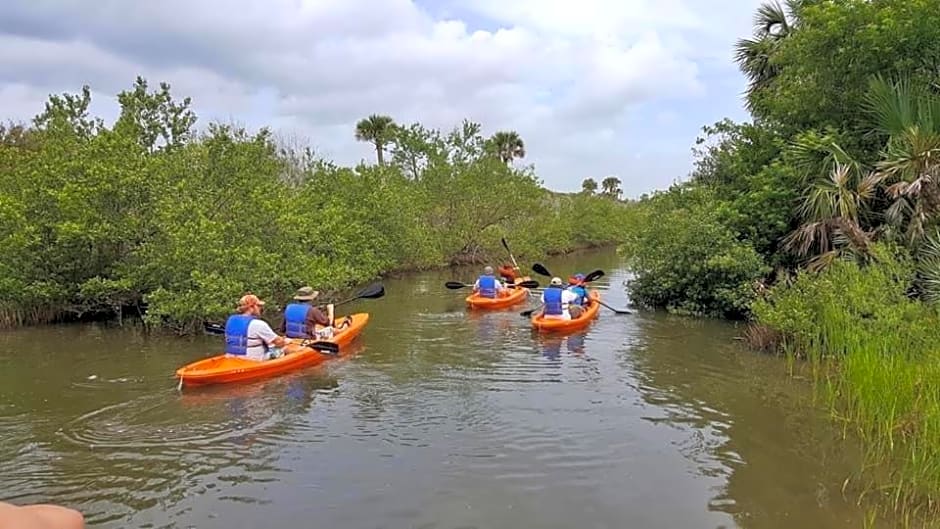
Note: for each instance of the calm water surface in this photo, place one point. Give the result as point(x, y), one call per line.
point(443, 419)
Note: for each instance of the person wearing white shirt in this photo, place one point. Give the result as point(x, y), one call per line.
point(555, 301)
point(250, 337)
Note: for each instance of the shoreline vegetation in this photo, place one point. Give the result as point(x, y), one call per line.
point(149, 217)
point(818, 223)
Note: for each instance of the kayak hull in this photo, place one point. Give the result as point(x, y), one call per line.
point(223, 369)
point(557, 325)
point(515, 297)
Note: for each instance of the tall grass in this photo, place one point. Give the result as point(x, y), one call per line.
point(875, 353)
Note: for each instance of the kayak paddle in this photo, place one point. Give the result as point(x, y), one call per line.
point(213, 328)
point(506, 246)
point(322, 346)
point(541, 270)
point(455, 285)
point(616, 311)
point(373, 291)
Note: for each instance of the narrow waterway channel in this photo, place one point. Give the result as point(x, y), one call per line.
point(443, 419)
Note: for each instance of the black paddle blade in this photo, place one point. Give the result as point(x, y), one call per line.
point(323, 347)
point(528, 284)
point(506, 245)
point(373, 291)
point(528, 313)
point(455, 285)
point(594, 276)
point(541, 270)
point(214, 328)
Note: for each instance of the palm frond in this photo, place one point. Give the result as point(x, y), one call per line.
point(771, 19)
point(928, 268)
point(891, 104)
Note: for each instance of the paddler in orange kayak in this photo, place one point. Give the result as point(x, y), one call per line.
point(488, 286)
point(302, 317)
point(509, 273)
point(250, 337)
point(557, 301)
point(577, 285)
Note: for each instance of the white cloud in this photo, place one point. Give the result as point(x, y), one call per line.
point(569, 77)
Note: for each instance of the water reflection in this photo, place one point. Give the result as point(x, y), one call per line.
point(441, 417)
point(737, 417)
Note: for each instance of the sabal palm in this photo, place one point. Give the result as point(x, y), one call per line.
point(772, 24)
point(377, 130)
point(611, 186)
point(508, 145)
point(910, 117)
point(832, 212)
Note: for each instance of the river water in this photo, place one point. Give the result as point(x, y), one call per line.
point(442, 419)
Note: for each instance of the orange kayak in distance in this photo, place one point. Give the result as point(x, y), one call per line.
point(223, 369)
point(514, 297)
point(574, 324)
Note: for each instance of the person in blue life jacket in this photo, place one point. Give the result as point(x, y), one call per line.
point(488, 286)
point(557, 301)
point(302, 319)
point(577, 285)
point(248, 336)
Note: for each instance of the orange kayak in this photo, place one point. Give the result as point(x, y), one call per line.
point(222, 369)
point(512, 296)
point(590, 312)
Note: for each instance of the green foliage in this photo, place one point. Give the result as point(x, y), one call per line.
point(686, 260)
point(148, 213)
point(824, 67)
point(838, 172)
point(887, 380)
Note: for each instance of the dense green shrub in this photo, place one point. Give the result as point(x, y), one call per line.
point(686, 260)
point(148, 213)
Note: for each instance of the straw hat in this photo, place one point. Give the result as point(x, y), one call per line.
point(306, 294)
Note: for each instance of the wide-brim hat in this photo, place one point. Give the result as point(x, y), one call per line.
point(306, 294)
point(556, 281)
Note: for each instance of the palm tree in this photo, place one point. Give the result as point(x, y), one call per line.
point(377, 130)
point(832, 212)
point(772, 25)
point(910, 117)
point(589, 186)
point(611, 186)
point(507, 145)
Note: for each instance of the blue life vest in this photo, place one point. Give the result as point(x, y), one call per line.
point(581, 292)
point(295, 320)
point(236, 334)
point(488, 286)
point(553, 305)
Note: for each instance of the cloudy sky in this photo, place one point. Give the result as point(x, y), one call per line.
point(595, 87)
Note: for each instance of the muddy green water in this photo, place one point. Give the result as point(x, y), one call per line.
point(443, 419)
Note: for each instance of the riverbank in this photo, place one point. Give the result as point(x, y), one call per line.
point(101, 219)
point(817, 222)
